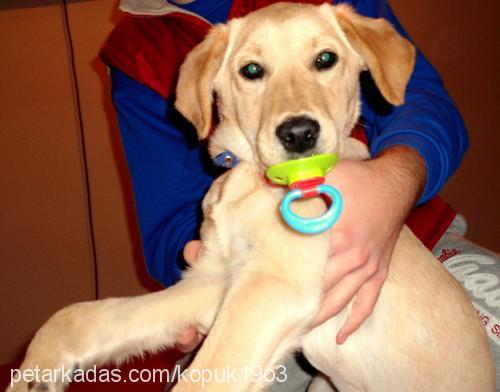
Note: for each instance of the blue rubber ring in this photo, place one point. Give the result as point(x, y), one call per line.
point(312, 225)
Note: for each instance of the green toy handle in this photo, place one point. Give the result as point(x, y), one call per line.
point(290, 172)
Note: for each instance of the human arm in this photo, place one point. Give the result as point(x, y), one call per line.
point(428, 121)
point(416, 147)
point(168, 176)
point(378, 195)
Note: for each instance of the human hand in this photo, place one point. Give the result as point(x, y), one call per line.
point(378, 195)
point(188, 339)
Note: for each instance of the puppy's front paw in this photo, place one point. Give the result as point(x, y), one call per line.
point(55, 352)
point(40, 378)
point(47, 368)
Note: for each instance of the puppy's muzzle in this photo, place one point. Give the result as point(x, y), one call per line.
point(298, 134)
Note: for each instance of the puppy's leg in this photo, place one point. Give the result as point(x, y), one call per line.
point(321, 383)
point(354, 150)
point(93, 333)
point(259, 322)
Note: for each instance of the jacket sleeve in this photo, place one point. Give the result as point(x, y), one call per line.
point(429, 122)
point(168, 174)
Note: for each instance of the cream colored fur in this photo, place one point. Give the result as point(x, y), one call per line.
point(258, 284)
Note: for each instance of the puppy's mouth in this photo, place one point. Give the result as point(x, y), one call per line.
point(307, 154)
point(272, 158)
point(290, 158)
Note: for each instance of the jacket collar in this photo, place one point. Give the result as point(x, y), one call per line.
point(153, 8)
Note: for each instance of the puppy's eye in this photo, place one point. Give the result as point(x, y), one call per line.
point(252, 71)
point(325, 60)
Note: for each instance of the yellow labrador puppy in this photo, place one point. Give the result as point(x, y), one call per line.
point(258, 284)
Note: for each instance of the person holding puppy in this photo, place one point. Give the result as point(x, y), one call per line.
point(415, 149)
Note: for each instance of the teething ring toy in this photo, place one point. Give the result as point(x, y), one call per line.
point(312, 225)
point(305, 177)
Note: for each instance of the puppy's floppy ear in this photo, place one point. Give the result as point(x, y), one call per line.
point(194, 92)
point(389, 57)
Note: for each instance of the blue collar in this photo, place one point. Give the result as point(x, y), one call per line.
point(226, 159)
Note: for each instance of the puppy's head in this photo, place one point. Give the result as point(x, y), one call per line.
point(285, 79)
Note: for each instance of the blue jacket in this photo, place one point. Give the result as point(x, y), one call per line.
point(170, 172)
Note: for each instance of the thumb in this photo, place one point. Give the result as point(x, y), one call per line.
point(192, 251)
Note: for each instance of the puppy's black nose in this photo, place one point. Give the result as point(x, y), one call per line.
point(298, 134)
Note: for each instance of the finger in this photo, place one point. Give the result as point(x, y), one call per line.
point(192, 251)
point(341, 294)
point(339, 266)
point(362, 307)
point(338, 297)
point(188, 339)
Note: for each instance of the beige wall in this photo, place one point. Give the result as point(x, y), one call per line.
point(49, 226)
point(120, 264)
point(55, 239)
point(45, 231)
